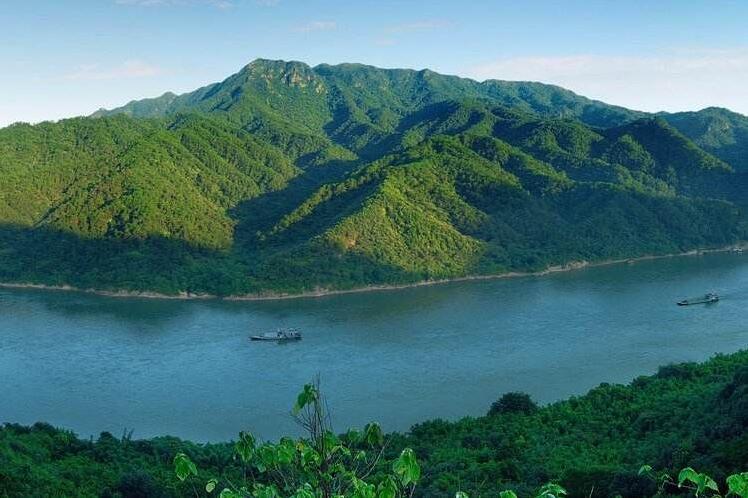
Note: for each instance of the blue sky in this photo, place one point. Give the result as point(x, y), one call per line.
point(66, 58)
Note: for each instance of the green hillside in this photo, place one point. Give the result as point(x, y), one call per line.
point(718, 131)
point(288, 178)
point(593, 445)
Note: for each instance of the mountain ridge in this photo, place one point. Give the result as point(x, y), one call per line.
point(286, 178)
point(488, 85)
point(684, 121)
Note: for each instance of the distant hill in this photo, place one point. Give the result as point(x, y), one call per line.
point(289, 178)
point(375, 91)
point(719, 131)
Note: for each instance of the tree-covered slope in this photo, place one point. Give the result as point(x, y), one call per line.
point(375, 99)
point(685, 415)
point(469, 204)
point(593, 445)
point(718, 131)
point(120, 177)
point(285, 177)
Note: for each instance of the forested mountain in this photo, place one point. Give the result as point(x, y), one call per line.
point(367, 93)
point(288, 178)
point(719, 131)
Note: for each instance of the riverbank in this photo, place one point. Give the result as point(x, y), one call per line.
point(322, 292)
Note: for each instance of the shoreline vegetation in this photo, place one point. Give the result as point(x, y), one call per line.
point(272, 296)
point(684, 415)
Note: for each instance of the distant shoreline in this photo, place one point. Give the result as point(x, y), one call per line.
point(273, 296)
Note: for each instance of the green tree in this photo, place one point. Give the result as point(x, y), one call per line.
point(514, 402)
point(318, 465)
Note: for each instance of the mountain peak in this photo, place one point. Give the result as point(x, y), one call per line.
point(269, 66)
point(274, 63)
point(292, 73)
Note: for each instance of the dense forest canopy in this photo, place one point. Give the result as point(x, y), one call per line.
point(290, 178)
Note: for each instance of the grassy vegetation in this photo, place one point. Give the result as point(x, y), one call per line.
point(593, 445)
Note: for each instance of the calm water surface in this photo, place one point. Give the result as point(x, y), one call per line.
point(187, 368)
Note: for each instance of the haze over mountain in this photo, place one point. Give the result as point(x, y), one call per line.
point(286, 177)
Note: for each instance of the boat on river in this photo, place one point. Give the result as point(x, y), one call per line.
point(280, 335)
point(710, 297)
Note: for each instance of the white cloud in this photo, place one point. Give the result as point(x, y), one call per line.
point(317, 26)
point(128, 69)
point(666, 81)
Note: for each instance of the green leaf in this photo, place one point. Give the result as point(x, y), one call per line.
point(353, 437)
point(309, 456)
point(285, 452)
point(687, 475)
point(245, 446)
point(507, 494)
point(307, 396)
point(362, 489)
point(211, 485)
point(183, 466)
point(227, 493)
point(331, 439)
point(373, 434)
point(701, 481)
point(551, 490)
point(342, 450)
point(264, 492)
point(406, 467)
point(710, 483)
point(387, 488)
point(737, 484)
point(267, 456)
point(645, 469)
point(461, 494)
point(305, 491)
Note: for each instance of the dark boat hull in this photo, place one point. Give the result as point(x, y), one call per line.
point(699, 301)
point(274, 339)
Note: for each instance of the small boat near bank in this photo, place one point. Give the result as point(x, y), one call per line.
point(280, 335)
point(707, 298)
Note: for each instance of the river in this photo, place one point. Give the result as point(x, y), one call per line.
point(186, 368)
